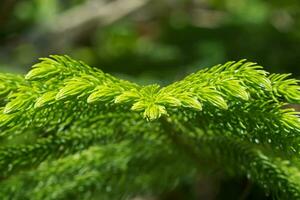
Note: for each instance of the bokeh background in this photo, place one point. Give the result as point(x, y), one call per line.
point(156, 41)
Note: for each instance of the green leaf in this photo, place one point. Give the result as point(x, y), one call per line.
point(154, 111)
point(5, 119)
point(45, 99)
point(234, 88)
point(214, 97)
point(127, 96)
point(41, 70)
point(191, 102)
point(73, 87)
point(169, 100)
point(19, 103)
point(139, 106)
point(104, 93)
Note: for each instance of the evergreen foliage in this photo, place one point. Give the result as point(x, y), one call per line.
point(97, 136)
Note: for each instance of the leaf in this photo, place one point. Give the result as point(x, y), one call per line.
point(191, 102)
point(5, 119)
point(46, 98)
point(234, 88)
point(167, 99)
point(19, 103)
point(212, 96)
point(150, 91)
point(41, 70)
point(75, 86)
point(139, 106)
point(103, 93)
point(127, 96)
point(154, 111)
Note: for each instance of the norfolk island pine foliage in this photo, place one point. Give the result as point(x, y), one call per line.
point(95, 136)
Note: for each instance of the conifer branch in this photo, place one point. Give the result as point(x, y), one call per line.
point(109, 169)
point(231, 114)
point(98, 131)
point(274, 175)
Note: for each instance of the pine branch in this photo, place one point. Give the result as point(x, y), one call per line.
point(232, 82)
point(274, 175)
point(105, 129)
point(93, 130)
point(117, 171)
point(238, 157)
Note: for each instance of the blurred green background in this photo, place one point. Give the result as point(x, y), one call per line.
point(151, 40)
point(155, 41)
